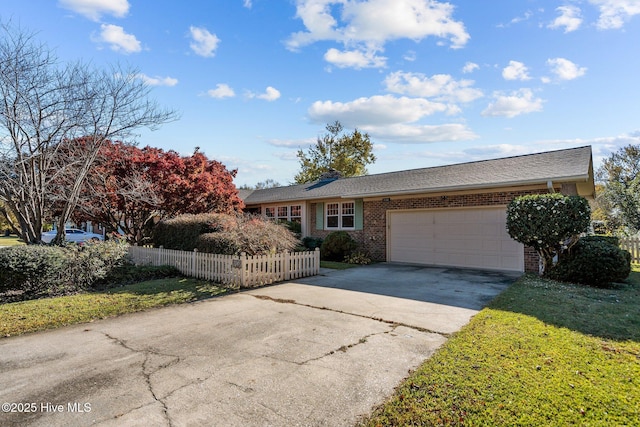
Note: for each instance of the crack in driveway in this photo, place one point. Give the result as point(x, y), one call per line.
point(148, 370)
point(378, 319)
point(345, 348)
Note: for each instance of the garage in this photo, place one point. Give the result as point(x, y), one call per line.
point(464, 237)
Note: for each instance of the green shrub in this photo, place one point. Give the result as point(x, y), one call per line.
point(549, 223)
point(218, 243)
point(358, 257)
point(611, 240)
point(128, 273)
point(294, 226)
point(593, 262)
point(91, 262)
point(311, 243)
point(33, 271)
point(337, 246)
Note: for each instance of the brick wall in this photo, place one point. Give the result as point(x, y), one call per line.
point(374, 237)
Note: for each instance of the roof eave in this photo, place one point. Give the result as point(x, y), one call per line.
point(578, 178)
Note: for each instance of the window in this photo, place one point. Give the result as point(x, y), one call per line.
point(341, 215)
point(270, 212)
point(295, 213)
point(283, 213)
point(348, 215)
point(291, 213)
point(333, 215)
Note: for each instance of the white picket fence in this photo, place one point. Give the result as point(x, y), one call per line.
point(632, 244)
point(243, 271)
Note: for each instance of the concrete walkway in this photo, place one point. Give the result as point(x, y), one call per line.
point(295, 354)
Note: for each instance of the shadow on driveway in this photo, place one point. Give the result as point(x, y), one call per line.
point(464, 288)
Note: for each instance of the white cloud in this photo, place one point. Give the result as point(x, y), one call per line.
point(417, 134)
point(614, 13)
point(391, 118)
point(514, 104)
point(569, 19)
point(221, 91)
point(527, 15)
point(94, 9)
point(117, 39)
point(470, 67)
point(204, 43)
point(270, 94)
point(354, 59)
point(441, 87)
point(366, 26)
point(158, 81)
point(247, 3)
point(410, 56)
point(565, 69)
point(499, 150)
point(376, 110)
point(292, 143)
point(515, 71)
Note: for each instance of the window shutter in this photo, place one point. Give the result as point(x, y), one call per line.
point(359, 220)
point(319, 216)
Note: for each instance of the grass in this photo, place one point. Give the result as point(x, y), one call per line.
point(10, 241)
point(30, 316)
point(336, 265)
point(543, 353)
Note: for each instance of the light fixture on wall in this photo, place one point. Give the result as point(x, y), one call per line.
point(386, 199)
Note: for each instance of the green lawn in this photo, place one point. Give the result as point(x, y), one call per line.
point(335, 265)
point(543, 353)
point(10, 241)
point(30, 316)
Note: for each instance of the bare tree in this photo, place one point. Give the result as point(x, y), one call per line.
point(45, 104)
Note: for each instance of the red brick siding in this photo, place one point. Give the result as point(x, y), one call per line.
point(531, 260)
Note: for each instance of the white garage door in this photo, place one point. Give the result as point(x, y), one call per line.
point(475, 238)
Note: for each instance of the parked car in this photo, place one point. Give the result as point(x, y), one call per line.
point(72, 235)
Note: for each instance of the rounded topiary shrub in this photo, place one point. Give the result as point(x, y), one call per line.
point(337, 245)
point(593, 262)
point(549, 223)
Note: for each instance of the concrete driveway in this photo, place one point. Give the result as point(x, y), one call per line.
point(318, 352)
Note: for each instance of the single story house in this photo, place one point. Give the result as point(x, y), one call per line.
point(447, 215)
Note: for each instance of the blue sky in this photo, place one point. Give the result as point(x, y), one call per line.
point(431, 82)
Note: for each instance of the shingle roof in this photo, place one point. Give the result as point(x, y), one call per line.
point(558, 166)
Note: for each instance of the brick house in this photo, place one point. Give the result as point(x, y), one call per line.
point(449, 215)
